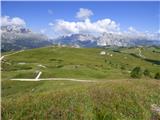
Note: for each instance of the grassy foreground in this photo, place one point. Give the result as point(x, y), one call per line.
point(109, 100)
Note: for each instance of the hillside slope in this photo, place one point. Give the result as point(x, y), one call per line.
point(114, 95)
point(82, 63)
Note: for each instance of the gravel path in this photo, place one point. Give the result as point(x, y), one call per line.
point(140, 53)
point(55, 79)
point(2, 57)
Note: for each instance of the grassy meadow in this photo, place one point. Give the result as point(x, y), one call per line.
point(114, 95)
point(83, 63)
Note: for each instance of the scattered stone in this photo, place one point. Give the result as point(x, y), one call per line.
point(155, 109)
point(102, 53)
point(33, 90)
point(41, 66)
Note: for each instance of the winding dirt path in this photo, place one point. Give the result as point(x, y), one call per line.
point(140, 53)
point(53, 79)
point(2, 57)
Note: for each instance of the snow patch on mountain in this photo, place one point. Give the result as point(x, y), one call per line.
point(109, 39)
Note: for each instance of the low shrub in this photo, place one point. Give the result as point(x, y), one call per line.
point(147, 73)
point(157, 76)
point(136, 72)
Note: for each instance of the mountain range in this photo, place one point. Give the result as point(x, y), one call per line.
point(107, 39)
point(17, 38)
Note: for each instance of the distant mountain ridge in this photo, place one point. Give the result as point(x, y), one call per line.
point(82, 40)
point(17, 38)
point(106, 39)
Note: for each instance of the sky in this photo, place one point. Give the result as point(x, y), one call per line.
point(56, 17)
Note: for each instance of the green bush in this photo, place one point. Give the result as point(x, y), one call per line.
point(60, 66)
point(157, 76)
point(123, 67)
point(147, 73)
point(136, 72)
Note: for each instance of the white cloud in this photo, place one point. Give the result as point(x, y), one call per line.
point(50, 11)
point(86, 26)
point(132, 29)
point(62, 27)
point(15, 21)
point(84, 13)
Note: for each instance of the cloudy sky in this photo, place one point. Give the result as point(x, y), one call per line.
point(62, 18)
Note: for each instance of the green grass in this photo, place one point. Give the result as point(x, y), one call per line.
point(78, 63)
point(110, 100)
point(115, 96)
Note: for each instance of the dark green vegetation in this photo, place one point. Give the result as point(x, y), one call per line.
point(115, 95)
point(157, 76)
point(146, 72)
point(136, 72)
